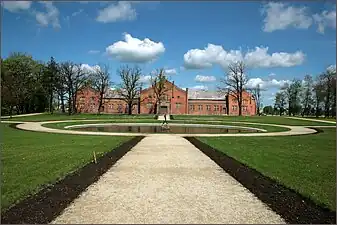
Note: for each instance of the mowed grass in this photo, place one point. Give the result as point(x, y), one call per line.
point(32, 160)
point(83, 116)
point(280, 120)
point(305, 163)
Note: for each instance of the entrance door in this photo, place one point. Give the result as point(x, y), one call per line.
point(163, 109)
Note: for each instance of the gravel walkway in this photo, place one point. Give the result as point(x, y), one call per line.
point(315, 120)
point(167, 180)
point(37, 126)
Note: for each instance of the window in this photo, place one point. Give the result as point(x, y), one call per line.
point(192, 107)
point(208, 107)
point(149, 105)
point(111, 106)
point(178, 96)
point(244, 102)
point(150, 96)
point(200, 107)
point(178, 105)
point(234, 107)
point(216, 108)
point(244, 108)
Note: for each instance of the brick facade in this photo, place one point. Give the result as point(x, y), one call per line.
point(176, 101)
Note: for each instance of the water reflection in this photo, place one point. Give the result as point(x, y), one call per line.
point(172, 129)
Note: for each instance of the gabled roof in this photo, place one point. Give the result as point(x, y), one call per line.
point(167, 81)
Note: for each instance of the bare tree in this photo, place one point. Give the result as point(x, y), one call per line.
point(256, 93)
point(292, 92)
point(307, 95)
point(100, 81)
point(74, 77)
point(280, 101)
point(130, 86)
point(234, 82)
point(328, 78)
point(158, 82)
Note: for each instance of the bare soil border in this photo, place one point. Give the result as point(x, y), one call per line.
point(47, 204)
point(293, 207)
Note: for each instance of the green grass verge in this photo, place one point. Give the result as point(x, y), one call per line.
point(64, 124)
point(257, 119)
point(254, 119)
point(31, 160)
point(305, 163)
point(62, 116)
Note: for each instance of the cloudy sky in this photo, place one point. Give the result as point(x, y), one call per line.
point(193, 41)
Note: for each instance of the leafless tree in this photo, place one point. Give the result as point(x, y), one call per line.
point(130, 86)
point(256, 93)
point(100, 81)
point(280, 101)
point(158, 83)
point(307, 91)
point(74, 77)
point(328, 78)
point(234, 82)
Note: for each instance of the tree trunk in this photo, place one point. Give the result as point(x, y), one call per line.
point(130, 108)
point(51, 103)
point(63, 109)
point(100, 103)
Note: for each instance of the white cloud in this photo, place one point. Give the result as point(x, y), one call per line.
point(280, 16)
point(121, 11)
point(170, 71)
point(93, 51)
point(331, 68)
point(90, 69)
point(201, 78)
point(266, 84)
point(258, 58)
point(145, 79)
point(199, 87)
point(51, 16)
point(15, 6)
point(212, 54)
point(135, 50)
point(325, 19)
point(76, 13)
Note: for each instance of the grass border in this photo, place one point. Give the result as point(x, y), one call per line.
point(47, 204)
point(293, 207)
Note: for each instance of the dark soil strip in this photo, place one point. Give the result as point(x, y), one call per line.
point(47, 204)
point(293, 207)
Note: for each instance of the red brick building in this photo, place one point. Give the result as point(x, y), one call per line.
point(175, 101)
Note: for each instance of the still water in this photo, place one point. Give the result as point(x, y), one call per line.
point(159, 129)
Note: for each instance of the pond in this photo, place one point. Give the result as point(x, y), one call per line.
point(173, 128)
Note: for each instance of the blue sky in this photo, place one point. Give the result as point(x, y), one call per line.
point(194, 41)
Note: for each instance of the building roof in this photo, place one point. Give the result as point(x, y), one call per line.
point(205, 94)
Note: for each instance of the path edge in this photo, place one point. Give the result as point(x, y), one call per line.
point(290, 205)
point(44, 206)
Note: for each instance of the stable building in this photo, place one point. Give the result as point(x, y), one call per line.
point(175, 101)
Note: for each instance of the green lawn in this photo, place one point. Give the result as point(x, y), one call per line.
point(255, 119)
point(305, 163)
point(30, 160)
point(62, 116)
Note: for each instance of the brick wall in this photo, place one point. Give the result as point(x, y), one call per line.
point(206, 107)
point(248, 105)
point(174, 98)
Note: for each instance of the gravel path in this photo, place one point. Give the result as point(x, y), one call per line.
point(37, 126)
point(167, 180)
point(315, 120)
point(21, 115)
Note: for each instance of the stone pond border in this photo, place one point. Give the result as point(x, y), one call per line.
point(38, 126)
